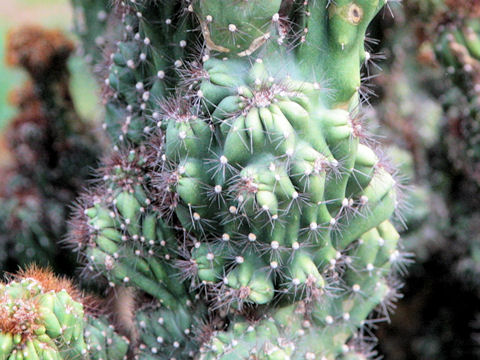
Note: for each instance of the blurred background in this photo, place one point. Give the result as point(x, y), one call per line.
point(51, 14)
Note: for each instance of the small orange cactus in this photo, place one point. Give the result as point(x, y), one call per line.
point(37, 49)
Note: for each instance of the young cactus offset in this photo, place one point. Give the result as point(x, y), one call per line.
point(33, 320)
point(242, 199)
point(44, 317)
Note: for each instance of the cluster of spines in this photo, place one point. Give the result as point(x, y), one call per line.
point(44, 317)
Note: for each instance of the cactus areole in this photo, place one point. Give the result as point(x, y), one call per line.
point(242, 198)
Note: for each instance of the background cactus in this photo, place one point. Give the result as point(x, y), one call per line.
point(50, 149)
point(457, 51)
point(419, 111)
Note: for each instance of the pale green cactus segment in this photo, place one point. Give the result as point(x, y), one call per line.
point(334, 44)
point(290, 174)
point(251, 280)
point(208, 261)
point(40, 325)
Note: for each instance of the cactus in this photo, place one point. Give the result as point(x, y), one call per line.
point(92, 20)
point(43, 317)
point(50, 148)
point(242, 204)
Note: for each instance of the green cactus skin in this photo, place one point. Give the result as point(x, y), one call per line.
point(46, 324)
point(43, 325)
point(333, 44)
point(279, 193)
point(240, 189)
point(143, 68)
point(167, 334)
point(91, 19)
point(124, 239)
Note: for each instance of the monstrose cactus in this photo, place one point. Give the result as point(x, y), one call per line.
point(243, 205)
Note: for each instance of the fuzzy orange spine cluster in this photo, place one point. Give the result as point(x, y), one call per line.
point(37, 49)
point(22, 320)
point(465, 8)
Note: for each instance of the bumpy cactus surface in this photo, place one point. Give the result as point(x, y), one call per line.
point(243, 204)
point(43, 317)
point(91, 20)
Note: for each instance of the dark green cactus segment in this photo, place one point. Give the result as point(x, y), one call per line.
point(167, 334)
point(39, 325)
point(457, 50)
point(145, 66)
point(27, 218)
point(91, 19)
point(103, 342)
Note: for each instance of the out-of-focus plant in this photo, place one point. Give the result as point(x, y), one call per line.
point(51, 152)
